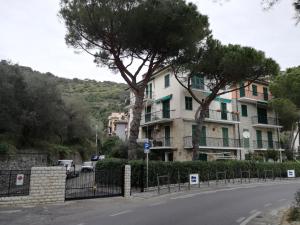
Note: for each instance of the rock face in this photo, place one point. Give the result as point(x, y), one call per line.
point(23, 160)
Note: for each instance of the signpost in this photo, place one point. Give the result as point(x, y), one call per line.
point(147, 151)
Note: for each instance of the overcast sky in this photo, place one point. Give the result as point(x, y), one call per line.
point(33, 35)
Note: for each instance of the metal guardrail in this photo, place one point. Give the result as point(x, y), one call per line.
point(158, 115)
point(256, 95)
point(264, 120)
point(14, 182)
point(264, 144)
point(162, 142)
point(221, 115)
point(212, 142)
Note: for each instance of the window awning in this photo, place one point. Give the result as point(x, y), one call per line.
point(168, 97)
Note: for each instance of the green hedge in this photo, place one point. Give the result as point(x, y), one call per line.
point(207, 170)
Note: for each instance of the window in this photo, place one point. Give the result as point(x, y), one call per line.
point(244, 110)
point(259, 139)
point(246, 138)
point(223, 111)
point(188, 103)
point(254, 90)
point(149, 90)
point(198, 82)
point(270, 140)
point(242, 90)
point(148, 114)
point(167, 80)
point(225, 137)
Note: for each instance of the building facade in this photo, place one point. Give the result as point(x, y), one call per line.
point(117, 125)
point(168, 122)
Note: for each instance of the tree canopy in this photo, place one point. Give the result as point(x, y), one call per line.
point(134, 38)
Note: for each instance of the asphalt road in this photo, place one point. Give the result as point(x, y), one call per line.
point(236, 204)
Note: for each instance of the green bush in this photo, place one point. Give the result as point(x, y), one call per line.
point(4, 148)
point(207, 170)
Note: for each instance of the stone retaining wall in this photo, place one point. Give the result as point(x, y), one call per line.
point(47, 185)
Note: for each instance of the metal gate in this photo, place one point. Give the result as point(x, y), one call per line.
point(96, 184)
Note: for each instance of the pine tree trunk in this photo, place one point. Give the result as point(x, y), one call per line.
point(199, 118)
point(134, 125)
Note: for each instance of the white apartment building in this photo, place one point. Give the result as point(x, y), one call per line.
point(168, 122)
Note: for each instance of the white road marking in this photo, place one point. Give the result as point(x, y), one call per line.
point(157, 203)
point(253, 211)
point(274, 212)
point(121, 213)
point(267, 205)
point(250, 218)
point(81, 224)
point(240, 219)
point(11, 211)
point(281, 200)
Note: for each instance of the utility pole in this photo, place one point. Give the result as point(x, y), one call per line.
point(96, 139)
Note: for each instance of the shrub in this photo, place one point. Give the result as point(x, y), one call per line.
point(207, 170)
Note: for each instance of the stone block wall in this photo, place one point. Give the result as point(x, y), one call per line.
point(47, 185)
point(127, 181)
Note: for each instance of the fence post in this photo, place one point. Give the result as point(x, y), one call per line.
point(127, 181)
point(8, 192)
point(178, 180)
point(142, 178)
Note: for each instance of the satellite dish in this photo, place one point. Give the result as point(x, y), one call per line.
point(246, 134)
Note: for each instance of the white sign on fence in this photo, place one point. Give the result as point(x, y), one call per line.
point(20, 179)
point(194, 178)
point(291, 174)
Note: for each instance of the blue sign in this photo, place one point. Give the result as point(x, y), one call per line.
point(146, 147)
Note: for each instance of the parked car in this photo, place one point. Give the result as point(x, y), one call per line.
point(70, 167)
point(87, 166)
point(97, 157)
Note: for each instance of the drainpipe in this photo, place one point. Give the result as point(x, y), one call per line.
point(238, 125)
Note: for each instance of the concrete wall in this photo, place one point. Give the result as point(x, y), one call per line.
point(47, 185)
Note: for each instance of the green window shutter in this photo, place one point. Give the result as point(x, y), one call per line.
point(188, 103)
point(254, 90)
point(259, 139)
point(150, 90)
point(198, 82)
point(242, 90)
point(270, 140)
point(223, 111)
point(266, 95)
point(203, 136)
point(244, 110)
point(225, 136)
point(148, 114)
point(167, 80)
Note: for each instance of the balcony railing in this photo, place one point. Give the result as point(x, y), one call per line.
point(263, 144)
point(255, 95)
point(162, 142)
point(221, 115)
point(265, 120)
point(157, 116)
point(212, 142)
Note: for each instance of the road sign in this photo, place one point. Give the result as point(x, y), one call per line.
point(146, 147)
point(291, 173)
point(194, 178)
point(20, 179)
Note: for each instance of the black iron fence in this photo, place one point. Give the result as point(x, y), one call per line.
point(14, 182)
point(96, 184)
point(178, 179)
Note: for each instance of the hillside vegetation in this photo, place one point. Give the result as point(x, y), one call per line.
point(58, 115)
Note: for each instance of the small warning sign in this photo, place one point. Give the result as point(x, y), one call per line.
point(20, 179)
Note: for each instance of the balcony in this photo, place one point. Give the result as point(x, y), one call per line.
point(149, 96)
point(162, 116)
point(161, 143)
point(253, 97)
point(218, 116)
point(265, 145)
point(265, 122)
point(213, 143)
